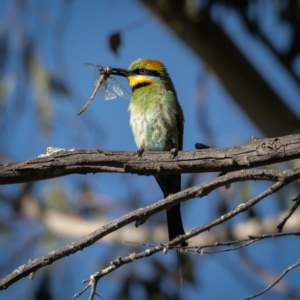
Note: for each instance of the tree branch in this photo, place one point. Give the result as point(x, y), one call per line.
point(282, 181)
point(282, 178)
point(62, 163)
point(297, 264)
point(288, 215)
point(241, 243)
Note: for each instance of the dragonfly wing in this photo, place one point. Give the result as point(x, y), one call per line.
point(110, 88)
point(126, 95)
point(118, 88)
point(109, 95)
point(105, 92)
point(97, 66)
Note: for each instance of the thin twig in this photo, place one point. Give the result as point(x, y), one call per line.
point(224, 250)
point(81, 292)
point(240, 208)
point(139, 244)
point(251, 237)
point(276, 281)
point(93, 284)
point(117, 263)
point(246, 242)
point(176, 242)
point(283, 177)
point(288, 215)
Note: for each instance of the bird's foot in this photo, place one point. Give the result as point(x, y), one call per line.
point(173, 153)
point(140, 152)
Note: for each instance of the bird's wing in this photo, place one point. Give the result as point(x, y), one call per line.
point(180, 126)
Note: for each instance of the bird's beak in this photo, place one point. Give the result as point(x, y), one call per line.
point(122, 72)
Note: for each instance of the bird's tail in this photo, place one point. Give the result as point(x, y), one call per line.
point(170, 184)
point(175, 227)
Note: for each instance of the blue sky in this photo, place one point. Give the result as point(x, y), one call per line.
point(89, 25)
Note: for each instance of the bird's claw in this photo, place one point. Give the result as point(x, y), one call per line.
point(173, 153)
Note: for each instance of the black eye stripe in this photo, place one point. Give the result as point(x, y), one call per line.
point(153, 73)
point(148, 72)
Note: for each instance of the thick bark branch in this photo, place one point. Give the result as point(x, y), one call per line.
point(62, 163)
point(258, 153)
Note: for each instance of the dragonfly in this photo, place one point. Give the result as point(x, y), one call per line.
point(106, 86)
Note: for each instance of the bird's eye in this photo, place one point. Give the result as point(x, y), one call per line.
point(142, 71)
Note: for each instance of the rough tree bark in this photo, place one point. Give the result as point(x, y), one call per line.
point(66, 162)
point(235, 160)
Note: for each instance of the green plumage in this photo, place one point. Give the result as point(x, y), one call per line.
point(156, 119)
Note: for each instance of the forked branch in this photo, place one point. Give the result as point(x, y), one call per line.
point(281, 179)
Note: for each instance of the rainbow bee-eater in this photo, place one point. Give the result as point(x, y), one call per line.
point(156, 119)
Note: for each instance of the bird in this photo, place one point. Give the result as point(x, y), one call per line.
point(157, 123)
